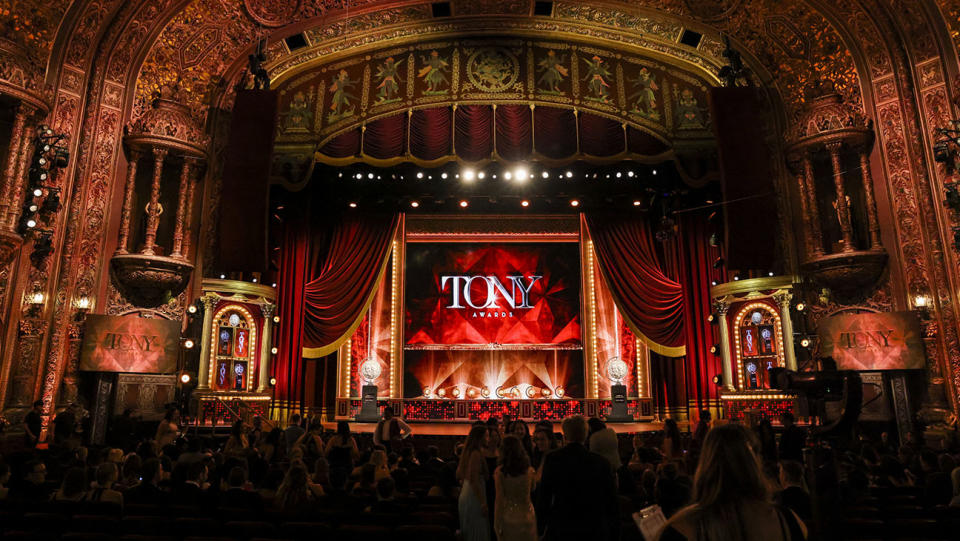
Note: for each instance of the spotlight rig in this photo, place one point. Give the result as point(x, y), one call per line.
point(42, 199)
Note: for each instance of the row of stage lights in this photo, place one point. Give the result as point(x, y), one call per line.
point(504, 393)
point(517, 175)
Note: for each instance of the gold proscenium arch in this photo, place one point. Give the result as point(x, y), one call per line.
point(671, 73)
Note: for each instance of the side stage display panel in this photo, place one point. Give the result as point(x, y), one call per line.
point(492, 320)
point(873, 341)
point(129, 344)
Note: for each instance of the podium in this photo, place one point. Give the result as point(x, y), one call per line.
point(618, 406)
point(369, 412)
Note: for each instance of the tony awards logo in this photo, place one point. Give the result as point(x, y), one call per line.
point(490, 297)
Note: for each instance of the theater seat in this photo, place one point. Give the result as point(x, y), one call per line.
point(249, 529)
point(143, 525)
point(362, 533)
point(306, 530)
point(191, 526)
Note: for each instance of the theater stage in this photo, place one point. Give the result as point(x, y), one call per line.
point(461, 429)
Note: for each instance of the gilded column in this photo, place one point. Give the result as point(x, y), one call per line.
point(726, 368)
point(873, 224)
point(203, 372)
point(265, 346)
point(129, 190)
point(804, 210)
point(843, 209)
point(10, 172)
point(23, 384)
point(25, 154)
point(68, 387)
point(783, 301)
point(188, 218)
point(181, 209)
point(810, 192)
point(153, 209)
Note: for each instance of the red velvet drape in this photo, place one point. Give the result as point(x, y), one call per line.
point(474, 132)
point(386, 137)
point(288, 365)
point(514, 137)
point(430, 132)
point(600, 136)
point(650, 301)
point(556, 132)
point(342, 284)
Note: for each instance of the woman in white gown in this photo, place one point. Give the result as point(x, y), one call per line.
point(472, 471)
point(513, 517)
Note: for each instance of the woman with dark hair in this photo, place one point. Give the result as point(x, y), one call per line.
point(73, 488)
point(731, 497)
point(269, 446)
point(520, 429)
point(671, 440)
point(543, 443)
point(514, 518)
point(342, 450)
point(472, 471)
point(167, 430)
point(237, 443)
point(311, 442)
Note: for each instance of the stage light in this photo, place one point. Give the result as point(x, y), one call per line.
point(569, 174)
point(545, 392)
point(619, 174)
point(471, 393)
point(715, 348)
point(636, 203)
point(223, 276)
point(31, 223)
point(531, 392)
point(37, 192)
point(920, 301)
point(276, 319)
point(574, 203)
point(630, 174)
point(736, 277)
point(83, 303)
point(340, 174)
point(508, 175)
point(545, 174)
point(464, 204)
point(273, 284)
point(718, 380)
point(713, 282)
point(441, 392)
point(33, 207)
point(274, 350)
point(419, 174)
point(192, 309)
point(711, 318)
point(520, 174)
point(524, 203)
point(443, 176)
point(188, 343)
point(254, 280)
point(353, 205)
point(485, 392)
point(769, 274)
point(559, 392)
point(468, 175)
point(273, 382)
point(801, 307)
point(500, 393)
point(654, 171)
point(414, 204)
point(805, 342)
point(481, 175)
point(370, 176)
point(185, 378)
point(455, 392)
point(359, 176)
point(426, 392)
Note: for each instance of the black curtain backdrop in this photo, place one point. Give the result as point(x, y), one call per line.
point(244, 200)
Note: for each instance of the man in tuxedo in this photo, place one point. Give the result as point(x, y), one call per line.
point(578, 495)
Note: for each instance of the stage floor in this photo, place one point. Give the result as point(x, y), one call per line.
point(462, 429)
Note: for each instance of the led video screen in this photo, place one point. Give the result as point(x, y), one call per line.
point(130, 344)
point(494, 294)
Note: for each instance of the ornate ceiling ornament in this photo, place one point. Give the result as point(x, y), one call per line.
point(712, 10)
point(150, 280)
point(21, 76)
point(273, 13)
point(493, 69)
point(828, 118)
point(168, 124)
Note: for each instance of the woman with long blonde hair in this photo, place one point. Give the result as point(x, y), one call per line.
point(731, 496)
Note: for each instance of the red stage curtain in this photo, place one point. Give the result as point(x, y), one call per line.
point(344, 145)
point(641, 142)
point(600, 136)
point(430, 133)
point(474, 132)
point(386, 137)
point(339, 293)
point(556, 131)
point(514, 138)
point(651, 303)
point(288, 365)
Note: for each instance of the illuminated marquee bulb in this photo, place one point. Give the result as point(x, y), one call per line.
point(559, 392)
point(500, 393)
point(426, 392)
point(441, 392)
point(531, 391)
point(455, 392)
point(545, 392)
point(485, 392)
point(471, 393)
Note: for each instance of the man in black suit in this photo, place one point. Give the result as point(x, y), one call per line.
point(792, 440)
point(578, 495)
point(148, 491)
point(191, 493)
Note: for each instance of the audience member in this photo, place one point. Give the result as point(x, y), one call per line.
point(73, 488)
point(577, 495)
point(793, 495)
point(237, 496)
point(473, 471)
point(293, 432)
point(33, 485)
point(295, 497)
point(731, 496)
point(32, 425)
point(148, 491)
point(342, 448)
point(102, 491)
point(445, 483)
point(671, 447)
point(390, 430)
point(792, 440)
point(167, 430)
point(192, 492)
point(514, 518)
